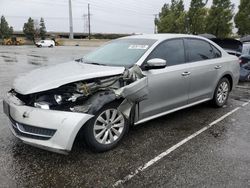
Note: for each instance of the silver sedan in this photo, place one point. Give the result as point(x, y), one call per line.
point(126, 82)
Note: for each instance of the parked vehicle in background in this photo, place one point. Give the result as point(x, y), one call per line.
point(239, 49)
point(231, 46)
point(126, 82)
point(45, 43)
point(245, 68)
point(246, 48)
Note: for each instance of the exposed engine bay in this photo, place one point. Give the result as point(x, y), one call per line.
point(89, 96)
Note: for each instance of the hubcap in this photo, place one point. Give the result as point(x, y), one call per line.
point(108, 126)
point(222, 93)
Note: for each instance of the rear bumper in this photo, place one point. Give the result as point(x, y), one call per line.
point(47, 129)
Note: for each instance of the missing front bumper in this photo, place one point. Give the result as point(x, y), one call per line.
point(47, 129)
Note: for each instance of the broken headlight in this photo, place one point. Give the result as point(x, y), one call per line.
point(42, 105)
point(48, 101)
point(58, 99)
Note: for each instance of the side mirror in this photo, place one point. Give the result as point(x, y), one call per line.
point(155, 63)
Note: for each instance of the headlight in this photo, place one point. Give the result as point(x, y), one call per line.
point(58, 99)
point(42, 105)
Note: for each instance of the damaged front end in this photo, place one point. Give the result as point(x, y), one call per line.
point(89, 96)
point(52, 119)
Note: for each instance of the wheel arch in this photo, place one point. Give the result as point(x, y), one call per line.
point(227, 75)
point(230, 79)
point(98, 101)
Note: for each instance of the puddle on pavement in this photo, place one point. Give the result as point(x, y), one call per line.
point(37, 56)
point(218, 131)
point(34, 63)
point(6, 52)
point(242, 92)
point(9, 59)
point(37, 60)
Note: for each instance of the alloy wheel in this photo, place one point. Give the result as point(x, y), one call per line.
point(222, 92)
point(109, 126)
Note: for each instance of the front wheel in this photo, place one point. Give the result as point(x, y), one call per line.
point(221, 93)
point(106, 129)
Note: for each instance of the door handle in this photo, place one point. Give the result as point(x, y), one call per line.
point(186, 73)
point(218, 67)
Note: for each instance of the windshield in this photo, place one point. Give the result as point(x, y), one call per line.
point(121, 52)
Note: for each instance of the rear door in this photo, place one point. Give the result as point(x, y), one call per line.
point(206, 66)
point(168, 87)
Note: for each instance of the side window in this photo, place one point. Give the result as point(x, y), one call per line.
point(199, 50)
point(172, 51)
point(216, 52)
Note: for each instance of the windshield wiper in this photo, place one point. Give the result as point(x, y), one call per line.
point(93, 63)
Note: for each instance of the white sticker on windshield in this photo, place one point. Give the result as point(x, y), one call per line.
point(138, 47)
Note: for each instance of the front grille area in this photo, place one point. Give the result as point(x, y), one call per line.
point(31, 131)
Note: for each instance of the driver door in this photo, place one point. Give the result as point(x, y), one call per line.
point(168, 87)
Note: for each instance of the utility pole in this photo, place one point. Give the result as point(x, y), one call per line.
point(71, 35)
point(155, 30)
point(89, 21)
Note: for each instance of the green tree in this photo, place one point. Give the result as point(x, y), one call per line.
point(5, 30)
point(196, 16)
point(29, 29)
point(42, 29)
point(172, 18)
point(219, 20)
point(37, 29)
point(242, 18)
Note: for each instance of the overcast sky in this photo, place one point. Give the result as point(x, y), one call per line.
point(107, 16)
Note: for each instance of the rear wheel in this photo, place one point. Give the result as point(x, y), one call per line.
point(106, 129)
point(221, 93)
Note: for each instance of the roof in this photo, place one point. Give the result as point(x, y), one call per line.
point(163, 36)
point(208, 36)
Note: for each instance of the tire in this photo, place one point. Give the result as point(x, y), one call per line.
point(101, 136)
point(221, 93)
point(51, 46)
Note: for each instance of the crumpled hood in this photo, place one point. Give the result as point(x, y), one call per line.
point(55, 76)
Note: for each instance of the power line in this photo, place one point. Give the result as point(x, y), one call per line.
point(122, 11)
point(38, 17)
point(99, 5)
point(122, 5)
point(121, 24)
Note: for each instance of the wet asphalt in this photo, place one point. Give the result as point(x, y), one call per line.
point(219, 157)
